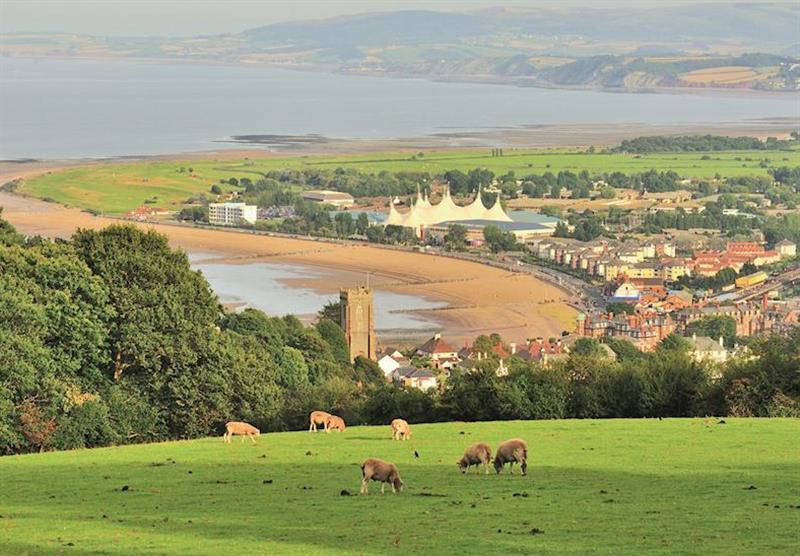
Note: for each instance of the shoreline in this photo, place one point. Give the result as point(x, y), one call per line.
point(481, 299)
point(523, 136)
point(476, 79)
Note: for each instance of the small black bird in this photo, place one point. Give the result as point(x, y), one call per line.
point(721, 422)
point(660, 419)
point(416, 454)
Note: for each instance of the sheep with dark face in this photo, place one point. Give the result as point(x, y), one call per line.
point(512, 451)
point(374, 469)
point(476, 454)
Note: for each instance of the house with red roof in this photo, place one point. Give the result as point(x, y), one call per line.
point(441, 354)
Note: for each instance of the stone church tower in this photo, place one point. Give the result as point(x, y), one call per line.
point(357, 320)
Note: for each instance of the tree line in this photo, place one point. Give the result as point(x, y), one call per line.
point(701, 143)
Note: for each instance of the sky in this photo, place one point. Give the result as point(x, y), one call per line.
point(198, 17)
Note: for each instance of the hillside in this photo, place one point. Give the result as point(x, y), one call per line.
point(698, 46)
point(593, 487)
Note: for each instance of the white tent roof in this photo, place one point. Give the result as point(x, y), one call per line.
point(423, 213)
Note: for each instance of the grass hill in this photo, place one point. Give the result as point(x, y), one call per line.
point(594, 487)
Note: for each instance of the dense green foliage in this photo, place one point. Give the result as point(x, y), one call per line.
point(497, 240)
point(699, 143)
point(112, 338)
point(714, 326)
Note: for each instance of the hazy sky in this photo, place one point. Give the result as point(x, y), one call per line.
point(193, 17)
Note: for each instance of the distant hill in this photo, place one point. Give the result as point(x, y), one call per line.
point(694, 46)
point(774, 23)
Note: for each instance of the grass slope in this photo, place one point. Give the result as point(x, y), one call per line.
point(117, 188)
point(594, 487)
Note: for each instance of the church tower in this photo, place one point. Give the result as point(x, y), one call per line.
point(357, 320)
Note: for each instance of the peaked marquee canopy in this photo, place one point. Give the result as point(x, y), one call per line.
point(423, 213)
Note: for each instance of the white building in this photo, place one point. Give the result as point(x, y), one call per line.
point(786, 248)
point(231, 214)
point(708, 349)
point(388, 364)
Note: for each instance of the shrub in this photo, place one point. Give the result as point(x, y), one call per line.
point(85, 426)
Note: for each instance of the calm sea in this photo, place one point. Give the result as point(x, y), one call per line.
point(77, 108)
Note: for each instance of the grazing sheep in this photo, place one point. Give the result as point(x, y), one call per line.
point(318, 418)
point(238, 427)
point(335, 423)
point(400, 429)
point(374, 469)
point(512, 451)
point(476, 454)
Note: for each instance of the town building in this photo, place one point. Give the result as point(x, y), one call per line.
point(523, 231)
point(337, 199)
point(441, 354)
point(626, 293)
point(541, 350)
point(231, 214)
point(358, 322)
point(422, 379)
point(708, 349)
point(786, 248)
point(391, 360)
point(644, 330)
point(750, 318)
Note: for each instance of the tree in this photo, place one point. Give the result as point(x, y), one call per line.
point(293, 368)
point(458, 182)
point(331, 311)
point(748, 268)
point(674, 342)
point(618, 307)
point(366, 371)
point(714, 326)
point(334, 336)
point(8, 235)
point(561, 230)
point(362, 223)
point(498, 240)
point(216, 189)
point(456, 237)
point(588, 347)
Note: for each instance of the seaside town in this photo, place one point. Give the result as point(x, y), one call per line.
point(524, 273)
point(626, 282)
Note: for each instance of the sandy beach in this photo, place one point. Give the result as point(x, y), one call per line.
point(480, 299)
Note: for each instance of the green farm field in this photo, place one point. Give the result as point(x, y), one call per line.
point(119, 187)
point(637, 487)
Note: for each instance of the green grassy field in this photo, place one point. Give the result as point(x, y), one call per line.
point(594, 487)
point(117, 188)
